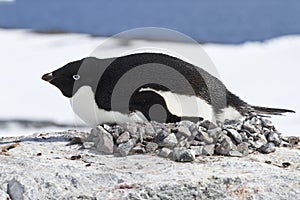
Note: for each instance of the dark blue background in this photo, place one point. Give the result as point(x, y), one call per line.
point(222, 21)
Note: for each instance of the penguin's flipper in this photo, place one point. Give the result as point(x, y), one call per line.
point(271, 111)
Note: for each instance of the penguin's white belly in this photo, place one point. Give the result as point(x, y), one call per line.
point(84, 105)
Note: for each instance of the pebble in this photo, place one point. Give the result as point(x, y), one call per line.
point(267, 148)
point(165, 152)
point(184, 140)
point(249, 127)
point(235, 135)
point(225, 146)
point(151, 147)
point(169, 141)
point(234, 153)
point(243, 148)
point(182, 154)
point(208, 150)
point(125, 148)
point(102, 139)
point(124, 137)
point(208, 125)
point(274, 138)
point(197, 149)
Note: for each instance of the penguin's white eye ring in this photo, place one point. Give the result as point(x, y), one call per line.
point(76, 77)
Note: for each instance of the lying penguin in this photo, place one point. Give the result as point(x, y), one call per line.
point(155, 86)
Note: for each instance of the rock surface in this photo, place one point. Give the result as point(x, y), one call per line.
point(47, 166)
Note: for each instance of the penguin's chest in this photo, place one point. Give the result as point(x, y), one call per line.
point(84, 105)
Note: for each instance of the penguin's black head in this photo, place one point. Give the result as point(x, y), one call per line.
point(66, 78)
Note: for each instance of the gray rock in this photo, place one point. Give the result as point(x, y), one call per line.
point(196, 143)
point(197, 149)
point(118, 130)
point(183, 132)
point(208, 150)
point(141, 133)
point(102, 139)
point(248, 126)
point(214, 133)
point(274, 138)
point(260, 141)
point(170, 141)
point(160, 136)
point(138, 150)
point(204, 137)
point(266, 123)
point(183, 143)
point(151, 147)
point(267, 148)
point(235, 135)
point(182, 154)
point(225, 146)
point(125, 148)
point(15, 190)
point(234, 153)
point(165, 152)
point(130, 127)
point(88, 145)
point(149, 130)
point(124, 137)
point(208, 125)
point(243, 148)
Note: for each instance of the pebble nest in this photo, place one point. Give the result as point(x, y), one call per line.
point(185, 140)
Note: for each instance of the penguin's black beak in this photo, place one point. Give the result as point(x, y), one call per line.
point(48, 77)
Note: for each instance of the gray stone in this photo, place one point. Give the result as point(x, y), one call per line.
point(274, 138)
point(149, 130)
point(204, 137)
point(266, 123)
point(183, 143)
point(182, 154)
point(183, 132)
point(234, 153)
point(248, 126)
point(197, 149)
point(151, 147)
point(260, 141)
point(125, 148)
point(130, 127)
point(138, 150)
point(235, 135)
point(160, 136)
point(243, 148)
point(267, 148)
point(124, 137)
point(208, 125)
point(225, 145)
point(165, 152)
point(208, 150)
point(169, 141)
point(141, 133)
point(15, 190)
point(118, 130)
point(196, 143)
point(88, 145)
point(102, 139)
point(214, 133)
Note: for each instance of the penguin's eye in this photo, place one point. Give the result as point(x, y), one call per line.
point(76, 77)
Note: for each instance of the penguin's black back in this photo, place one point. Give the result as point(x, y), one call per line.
point(204, 85)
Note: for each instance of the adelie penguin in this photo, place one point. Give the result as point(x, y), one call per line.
point(154, 86)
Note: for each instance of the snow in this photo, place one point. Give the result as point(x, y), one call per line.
point(264, 74)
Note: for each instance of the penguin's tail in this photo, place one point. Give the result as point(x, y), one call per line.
point(271, 111)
